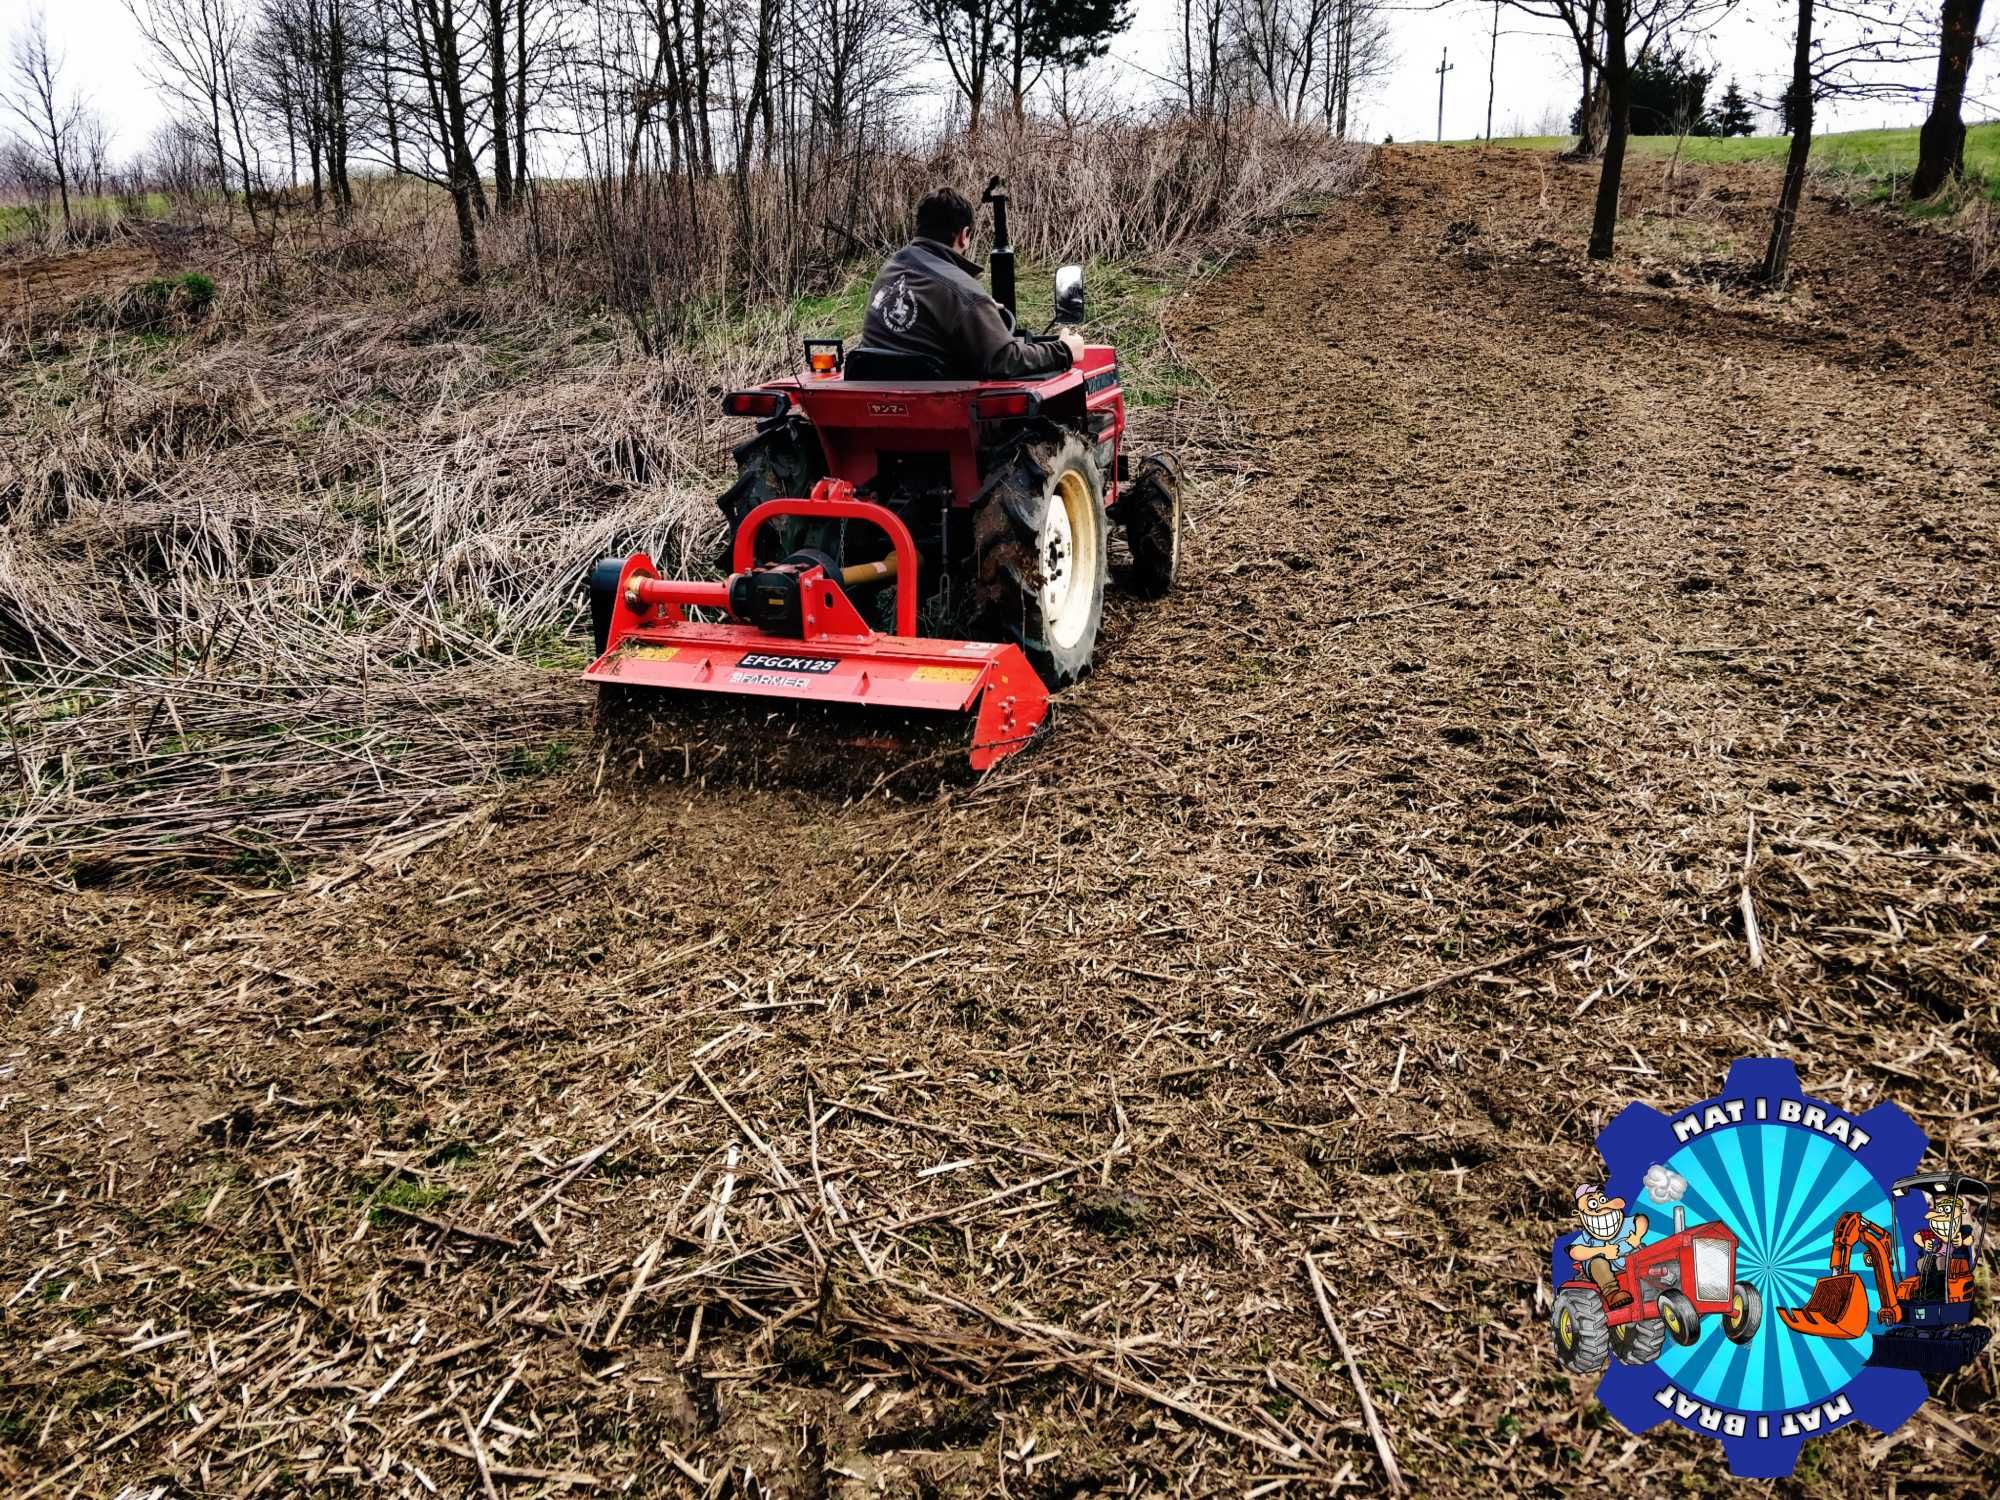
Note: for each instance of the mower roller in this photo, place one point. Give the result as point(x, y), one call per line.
point(875, 495)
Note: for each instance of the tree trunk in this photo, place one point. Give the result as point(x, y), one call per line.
point(1941, 146)
point(520, 96)
point(389, 115)
point(1778, 254)
point(1618, 95)
point(753, 108)
point(496, 38)
point(441, 65)
point(703, 62)
point(1594, 124)
point(336, 112)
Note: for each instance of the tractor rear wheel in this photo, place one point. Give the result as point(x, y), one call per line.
point(780, 463)
point(1039, 535)
point(1682, 1318)
point(1746, 1313)
point(1583, 1339)
point(1151, 506)
point(1638, 1343)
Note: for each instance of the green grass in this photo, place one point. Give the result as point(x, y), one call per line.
point(418, 1197)
point(1874, 158)
point(18, 218)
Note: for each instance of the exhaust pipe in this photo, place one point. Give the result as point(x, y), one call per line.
point(1003, 252)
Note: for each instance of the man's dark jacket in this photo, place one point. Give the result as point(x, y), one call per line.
point(928, 300)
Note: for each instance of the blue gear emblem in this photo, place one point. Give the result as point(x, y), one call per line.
point(1742, 1194)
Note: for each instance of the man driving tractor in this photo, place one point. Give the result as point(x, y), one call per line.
point(928, 302)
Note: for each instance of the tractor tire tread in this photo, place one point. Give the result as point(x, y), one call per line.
point(1006, 528)
point(1151, 503)
point(1593, 1334)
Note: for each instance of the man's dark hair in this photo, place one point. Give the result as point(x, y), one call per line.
point(942, 215)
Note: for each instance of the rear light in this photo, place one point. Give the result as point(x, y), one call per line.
point(756, 404)
point(1004, 406)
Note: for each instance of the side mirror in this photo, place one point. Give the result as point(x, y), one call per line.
point(1069, 294)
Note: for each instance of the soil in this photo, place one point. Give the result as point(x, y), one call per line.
point(34, 283)
point(690, 1136)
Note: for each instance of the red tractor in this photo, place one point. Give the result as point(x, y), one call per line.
point(878, 505)
point(1674, 1284)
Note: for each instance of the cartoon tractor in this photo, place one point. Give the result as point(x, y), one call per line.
point(1674, 1284)
point(1926, 1317)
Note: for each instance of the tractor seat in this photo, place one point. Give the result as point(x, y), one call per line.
point(866, 363)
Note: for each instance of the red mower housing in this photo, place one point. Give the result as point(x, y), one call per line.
point(834, 656)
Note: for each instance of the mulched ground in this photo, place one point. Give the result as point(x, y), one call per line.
point(661, 1136)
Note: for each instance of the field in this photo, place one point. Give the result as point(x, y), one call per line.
point(1870, 159)
point(402, 1092)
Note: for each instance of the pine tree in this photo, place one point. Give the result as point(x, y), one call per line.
point(1732, 116)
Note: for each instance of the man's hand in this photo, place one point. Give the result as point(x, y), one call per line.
point(1075, 346)
point(1638, 1230)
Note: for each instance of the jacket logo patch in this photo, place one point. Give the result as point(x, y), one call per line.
point(900, 310)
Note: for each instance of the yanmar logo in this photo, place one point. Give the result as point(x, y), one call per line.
point(887, 409)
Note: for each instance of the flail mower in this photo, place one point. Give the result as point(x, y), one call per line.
point(1926, 1318)
point(877, 504)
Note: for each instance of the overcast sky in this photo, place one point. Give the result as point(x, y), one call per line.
point(1533, 75)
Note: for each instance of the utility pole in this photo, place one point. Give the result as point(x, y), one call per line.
point(1443, 67)
point(1493, 53)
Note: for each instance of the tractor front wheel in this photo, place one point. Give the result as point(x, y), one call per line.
point(1150, 504)
point(1746, 1313)
point(1582, 1337)
point(1040, 536)
point(1681, 1317)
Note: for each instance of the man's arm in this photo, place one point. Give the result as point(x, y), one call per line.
point(1001, 355)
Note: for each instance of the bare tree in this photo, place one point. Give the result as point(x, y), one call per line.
point(36, 96)
point(1023, 39)
point(1855, 49)
point(1280, 44)
point(440, 63)
point(305, 64)
point(1778, 251)
point(1204, 51)
point(94, 138)
point(1618, 103)
point(1941, 146)
point(1356, 58)
point(1612, 37)
point(198, 49)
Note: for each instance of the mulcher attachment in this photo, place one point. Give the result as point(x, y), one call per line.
point(795, 634)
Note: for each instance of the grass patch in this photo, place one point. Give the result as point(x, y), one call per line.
point(406, 1193)
point(1874, 160)
point(524, 762)
point(30, 218)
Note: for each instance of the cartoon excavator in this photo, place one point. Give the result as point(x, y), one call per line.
point(1927, 1317)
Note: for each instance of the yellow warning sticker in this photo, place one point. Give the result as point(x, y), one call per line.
point(646, 652)
point(945, 674)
